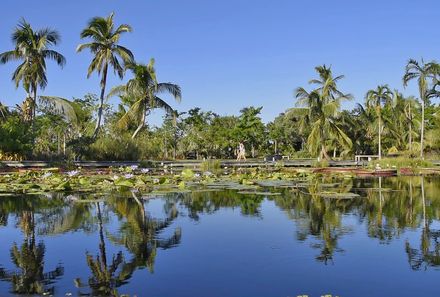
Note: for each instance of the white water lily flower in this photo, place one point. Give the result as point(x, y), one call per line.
point(72, 173)
point(128, 175)
point(46, 175)
point(145, 170)
point(134, 167)
point(115, 177)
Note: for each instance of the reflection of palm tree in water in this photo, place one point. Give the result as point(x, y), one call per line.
point(426, 256)
point(29, 259)
point(318, 217)
point(140, 232)
point(3, 218)
point(105, 278)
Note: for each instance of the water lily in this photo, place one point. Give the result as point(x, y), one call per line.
point(134, 167)
point(128, 175)
point(115, 177)
point(46, 175)
point(145, 170)
point(72, 173)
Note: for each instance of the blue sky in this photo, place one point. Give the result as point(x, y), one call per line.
point(230, 54)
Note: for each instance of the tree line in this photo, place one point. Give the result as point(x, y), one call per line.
point(52, 127)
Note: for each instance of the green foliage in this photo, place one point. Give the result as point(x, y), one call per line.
point(211, 165)
point(16, 136)
point(321, 111)
point(320, 164)
point(187, 174)
point(401, 162)
point(118, 147)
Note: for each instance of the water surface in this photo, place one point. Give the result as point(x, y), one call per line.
point(221, 243)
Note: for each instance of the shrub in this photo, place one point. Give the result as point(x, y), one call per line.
point(320, 164)
point(114, 148)
point(400, 162)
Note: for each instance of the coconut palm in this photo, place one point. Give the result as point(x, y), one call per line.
point(425, 74)
point(107, 52)
point(323, 104)
point(141, 92)
point(3, 111)
point(32, 49)
point(376, 99)
point(405, 119)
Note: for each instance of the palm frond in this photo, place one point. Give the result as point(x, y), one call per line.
point(61, 106)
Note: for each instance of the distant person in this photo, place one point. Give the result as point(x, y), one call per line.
point(241, 155)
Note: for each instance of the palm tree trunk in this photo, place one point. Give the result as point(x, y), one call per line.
point(422, 132)
point(101, 98)
point(34, 104)
point(410, 128)
point(141, 125)
point(323, 154)
point(380, 138)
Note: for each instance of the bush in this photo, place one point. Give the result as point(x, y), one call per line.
point(16, 137)
point(114, 148)
point(320, 164)
point(401, 162)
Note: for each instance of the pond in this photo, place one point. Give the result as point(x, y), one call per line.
point(384, 242)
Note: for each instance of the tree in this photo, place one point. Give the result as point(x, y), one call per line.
point(323, 105)
point(142, 92)
point(32, 49)
point(107, 52)
point(382, 95)
point(424, 73)
point(251, 129)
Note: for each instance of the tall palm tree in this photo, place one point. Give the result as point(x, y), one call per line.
point(142, 93)
point(425, 74)
point(32, 49)
point(406, 119)
point(323, 104)
point(107, 52)
point(382, 95)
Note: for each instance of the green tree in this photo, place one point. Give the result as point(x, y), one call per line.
point(376, 99)
point(322, 109)
point(107, 52)
point(424, 73)
point(32, 49)
point(250, 128)
point(142, 92)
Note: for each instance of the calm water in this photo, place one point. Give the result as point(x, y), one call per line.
point(385, 243)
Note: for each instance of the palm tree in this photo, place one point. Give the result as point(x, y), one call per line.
point(32, 49)
point(142, 94)
point(405, 119)
point(382, 95)
point(424, 73)
point(107, 52)
point(3, 111)
point(323, 104)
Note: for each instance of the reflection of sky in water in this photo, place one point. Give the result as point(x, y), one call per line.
point(228, 253)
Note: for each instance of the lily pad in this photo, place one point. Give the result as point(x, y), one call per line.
point(259, 193)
